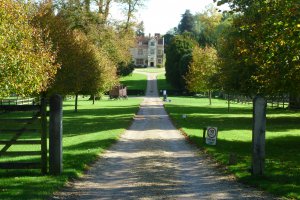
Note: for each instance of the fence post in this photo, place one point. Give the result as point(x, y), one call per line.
point(258, 135)
point(44, 133)
point(203, 135)
point(55, 135)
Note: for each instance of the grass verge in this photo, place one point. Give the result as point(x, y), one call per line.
point(86, 135)
point(162, 83)
point(282, 170)
point(150, 70)
point(135, 81)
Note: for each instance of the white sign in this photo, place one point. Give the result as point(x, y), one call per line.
point(211, 135)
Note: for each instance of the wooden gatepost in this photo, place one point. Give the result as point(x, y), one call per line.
point(259, 135)
point(25, 124)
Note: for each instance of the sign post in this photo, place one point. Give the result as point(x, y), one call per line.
point(211, 135)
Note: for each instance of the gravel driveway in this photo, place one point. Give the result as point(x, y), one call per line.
point(152, 160)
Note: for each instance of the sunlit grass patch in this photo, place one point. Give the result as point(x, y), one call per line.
point(86, 134)
point(282, 171)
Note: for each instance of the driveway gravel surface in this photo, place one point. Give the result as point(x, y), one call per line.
point(152, 160)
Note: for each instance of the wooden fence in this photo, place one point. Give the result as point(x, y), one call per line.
point(24, 123)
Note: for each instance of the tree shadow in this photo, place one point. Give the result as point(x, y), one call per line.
point(237, 119)
point(282, 163)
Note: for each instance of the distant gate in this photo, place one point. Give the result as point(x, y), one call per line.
point(24, 123)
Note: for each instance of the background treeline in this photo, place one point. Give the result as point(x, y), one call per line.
point(252, 49)
point(64, 46)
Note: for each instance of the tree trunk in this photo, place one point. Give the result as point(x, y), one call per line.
point(76, 102)
point(228, 101)
point(94, 96)
point(106, 12)
point(128, 16)
point(100, 6)
point(87, 5)
point(209, 97)
point(294, 103)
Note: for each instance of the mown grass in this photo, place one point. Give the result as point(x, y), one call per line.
point(162, 84)
point(150, 70)
point(282, 170)
point(86, 135)
point(135, 81)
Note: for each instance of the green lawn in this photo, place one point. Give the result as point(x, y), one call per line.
point(282, 172)
point(150, 70)
point(162, 83)
point(86, 135)
point(135, 81)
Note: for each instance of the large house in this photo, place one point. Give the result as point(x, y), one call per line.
point(149, 51)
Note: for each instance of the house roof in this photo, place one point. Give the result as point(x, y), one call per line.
point(145, 39)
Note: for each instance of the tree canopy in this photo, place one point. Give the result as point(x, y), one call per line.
point(27, 63)
point(176, 59)
point(267, 41)
point(187, 23)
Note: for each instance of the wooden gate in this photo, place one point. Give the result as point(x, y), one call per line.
point(25, 125)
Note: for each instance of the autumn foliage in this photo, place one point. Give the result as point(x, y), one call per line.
point(27, 62)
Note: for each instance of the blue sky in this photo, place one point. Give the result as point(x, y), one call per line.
point(159, 16)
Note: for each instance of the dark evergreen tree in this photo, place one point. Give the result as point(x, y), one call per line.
point(179, 47)
point(167, 39)
point(187, 23)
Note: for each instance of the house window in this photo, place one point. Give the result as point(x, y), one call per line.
point(140, 51)
point(152, 43)
point(151, 51)
point(159, 52)
point(159, 61)
point(139, 61)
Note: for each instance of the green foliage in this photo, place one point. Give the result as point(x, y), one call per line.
point(183, 66)
point(27, 63)
point(125, 70)
point(187, 23)
point(85, 69)
point(130, 7)
point(106, 38)
point(233, 71)
point(206, 30)
point(179, 47)
point(282, 172)
point(201, 69)
point(167, 39)
point(268, 43)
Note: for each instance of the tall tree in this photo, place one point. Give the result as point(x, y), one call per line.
point(104, 9)
point(187, 23)
point(130, 7)
point(271, 41)
point(85, 69)
point(202, 69)
point(27, 62)
point(206, 24)
point(179, 47)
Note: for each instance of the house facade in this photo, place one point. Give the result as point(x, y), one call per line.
point(149, 51)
